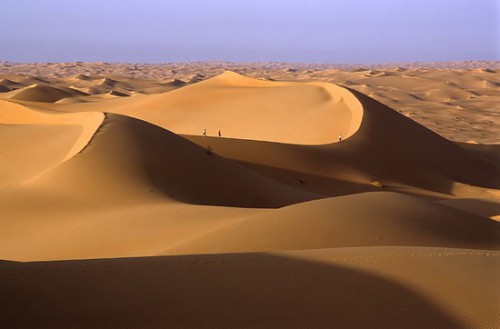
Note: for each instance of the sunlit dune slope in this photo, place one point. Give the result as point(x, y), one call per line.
point(32, 141)
point(246, 108)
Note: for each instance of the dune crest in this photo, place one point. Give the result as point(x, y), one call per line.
point(43, 93)
point(244, 108)
point(61, 135)
point(145, 160)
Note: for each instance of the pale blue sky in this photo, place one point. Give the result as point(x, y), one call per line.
point(320, 31)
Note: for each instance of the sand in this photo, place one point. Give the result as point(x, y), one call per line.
point(122, 207)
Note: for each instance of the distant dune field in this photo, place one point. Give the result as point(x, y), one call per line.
point(223, 195)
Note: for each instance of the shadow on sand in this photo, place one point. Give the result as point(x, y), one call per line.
point(207, 291)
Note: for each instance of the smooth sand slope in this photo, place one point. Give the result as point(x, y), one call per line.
point(142, 159)
point(244, 108)
point(118, 212)
point(341, 222)
point(33, 141)
point(373, 287)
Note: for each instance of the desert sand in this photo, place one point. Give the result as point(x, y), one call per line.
point(219, 195)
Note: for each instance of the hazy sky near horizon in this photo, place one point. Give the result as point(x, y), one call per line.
point(321, 31)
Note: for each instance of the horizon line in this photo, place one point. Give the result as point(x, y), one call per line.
point(250, 62)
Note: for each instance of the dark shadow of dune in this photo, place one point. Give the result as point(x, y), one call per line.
point(491, 152)
point(358, 156)
point(198, 175)
point(215, 291)
point(481, 207)
point(402, 143)
point(330, 187)
point(128, 160)
point(321, 185)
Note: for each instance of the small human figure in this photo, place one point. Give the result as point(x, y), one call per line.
point(220, 134)
point(204, 132)
point(340, 137)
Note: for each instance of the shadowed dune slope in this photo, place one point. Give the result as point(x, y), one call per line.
point(483, 207)
point(43, 93)
point(331, 288)
point(364, 164)
point(369, 219)
point(130, 160)
point(402, 146)
point(9, 85)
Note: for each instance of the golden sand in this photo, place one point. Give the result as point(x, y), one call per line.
point(276, 198)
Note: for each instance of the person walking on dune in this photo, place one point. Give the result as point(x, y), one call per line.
point(220, 134)
point(340, 137)
point(204, 132)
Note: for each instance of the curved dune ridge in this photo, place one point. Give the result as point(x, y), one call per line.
point(117, 211)
point(43, 93)
point(34, 141)
point(341, 222)
point(141, 159)
point(244, 108)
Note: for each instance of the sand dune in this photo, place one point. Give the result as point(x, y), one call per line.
point(385, 219)
point(33, 141)
point(349, 288)
point(341, 222)
point(9, 84)
point(71, 100)
point(275, 223)
point(141, 158)
point(373, 154)
point(20, 160)
point(230, 102)
point(42, 93)
point(483, 207)
point(106, 84)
